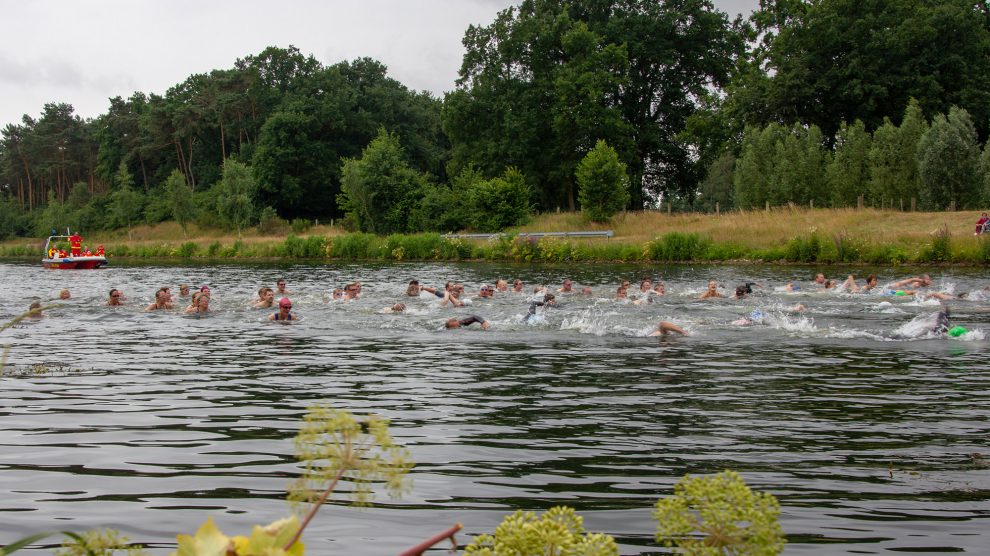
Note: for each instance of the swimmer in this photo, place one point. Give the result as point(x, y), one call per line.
point(397, 308)
point(819, 280)
point(34, 310)
point(586, 291)
point(645, 285)
point(283, 314)
point(183, 290)
point(712, 291)
point(659, 289)
point(266, 298)
point(413, 289)
point(486, 291)
point(792, 287)
point(162, 301)
point(622, 293)
point(566, 287)
point(944, 327)
point(549, 300)
point(468, 321)
point(452, 297)
point(64, 294)
point(664, 328)
point(851, 286)
point(337, 294)
point(200, 304)
point(280, 288)
point(501, 285)
point(943, 296)
point(517, 286)
point(352, 291)
point(755, 317)
point(915, 281)
point(741, 292)
point(115, 297)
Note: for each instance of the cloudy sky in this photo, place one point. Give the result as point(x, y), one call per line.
point(85, 52)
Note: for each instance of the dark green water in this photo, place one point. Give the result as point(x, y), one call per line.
point(872, 432)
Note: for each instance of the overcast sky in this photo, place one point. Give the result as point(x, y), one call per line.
point(85, 52)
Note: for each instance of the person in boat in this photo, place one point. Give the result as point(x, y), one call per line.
point(266, 299)
point(99, 250)
point(87, 253)
point(467, 321)
point(284, 313)
point(163, 300)
point(62, 254)
point(115, 297)
point(52, 251)
point(75, 243)
point(280, 288)
point(665, 327)
point(200, 303)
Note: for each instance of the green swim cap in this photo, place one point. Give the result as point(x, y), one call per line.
point(900, 293)
point(957, 331)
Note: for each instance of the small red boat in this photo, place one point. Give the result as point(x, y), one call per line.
point(54, 257)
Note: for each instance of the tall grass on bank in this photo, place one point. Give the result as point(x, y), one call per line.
point(787, 235)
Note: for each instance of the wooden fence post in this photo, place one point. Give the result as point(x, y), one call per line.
point(859, 202)
point(952, 205)
point(768, 206)
point(716, 208)
point(914, 203)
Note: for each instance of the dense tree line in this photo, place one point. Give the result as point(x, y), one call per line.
point(559, 104)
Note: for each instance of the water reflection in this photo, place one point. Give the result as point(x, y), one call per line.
point(159, 420)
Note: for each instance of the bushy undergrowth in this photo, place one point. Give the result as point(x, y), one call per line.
point(810, 248)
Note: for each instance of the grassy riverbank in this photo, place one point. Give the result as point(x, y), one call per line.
point(780, 235)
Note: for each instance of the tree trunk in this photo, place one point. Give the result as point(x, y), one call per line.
point(223, 147)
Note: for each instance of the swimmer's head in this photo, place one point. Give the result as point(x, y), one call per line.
point(756, 315)
point(284, 303)
point(741, 291)
point(398, 308)
point(64, 294)
point(452, 323)
point(549, 298)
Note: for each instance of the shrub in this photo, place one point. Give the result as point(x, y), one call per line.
point(676, 246)
point(353, 246)
point(500, 203)
point(939, 250)
point(187, 249)
point(214, 249)
point(269, 222)
point(300, 225)
point(603, 187)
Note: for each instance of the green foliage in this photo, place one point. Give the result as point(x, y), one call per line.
point(559, 531)
point(894, 159)
point(353, 246)
point(603, 186)
point(848, 169)
point(126, 206)
point(677, 246)
point(499, 203)
point(445, 209)
point(313, 247)
point(885, 48)
point(180, 199)
point(717, 186)
point(718, 516)
point(99, 543)
point(804, 250)
point(235, 195)
point(379, 189)
point(187, 249)
point(269, 222)
point(940, 248)
point(948, 162)
point(300, 225)
point(333, 445)
point(214, 249)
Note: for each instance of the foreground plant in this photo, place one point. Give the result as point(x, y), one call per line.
point(558, 532)
point(719, 516)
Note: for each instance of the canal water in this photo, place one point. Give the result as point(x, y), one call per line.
point(872, 431)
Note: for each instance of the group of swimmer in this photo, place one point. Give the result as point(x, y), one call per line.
point(453, 294)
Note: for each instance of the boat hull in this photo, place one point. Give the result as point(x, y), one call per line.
point(75, 263)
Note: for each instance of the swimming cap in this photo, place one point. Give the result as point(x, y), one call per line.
point(956, 331)
point(284, 302)
point(756, 314)
point(900, 293)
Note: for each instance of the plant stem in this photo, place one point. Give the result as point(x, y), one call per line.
point(421, 547)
